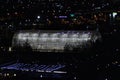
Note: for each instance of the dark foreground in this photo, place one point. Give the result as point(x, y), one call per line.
point(101, 62)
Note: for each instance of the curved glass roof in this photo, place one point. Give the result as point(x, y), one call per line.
point(55, 40)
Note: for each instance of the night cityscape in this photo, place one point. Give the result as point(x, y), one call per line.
point(59, 39)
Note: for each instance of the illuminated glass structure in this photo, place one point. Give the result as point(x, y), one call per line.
point(58, 41)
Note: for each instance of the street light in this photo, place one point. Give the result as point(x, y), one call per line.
point(38, 17)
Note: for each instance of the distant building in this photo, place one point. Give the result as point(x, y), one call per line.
point(55, 41)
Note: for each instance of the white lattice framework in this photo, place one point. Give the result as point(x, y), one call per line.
point(54, 40)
